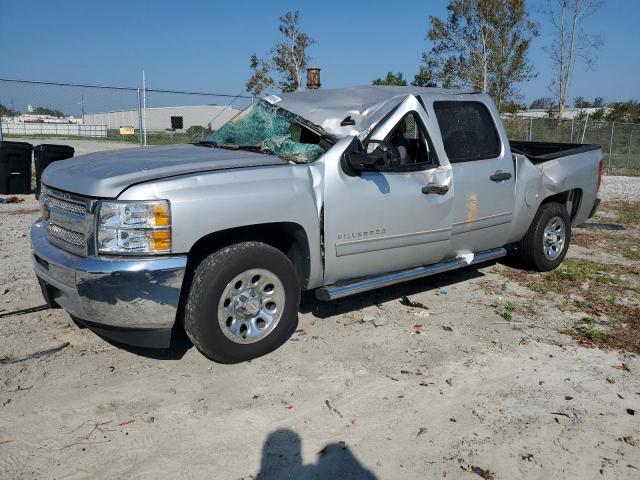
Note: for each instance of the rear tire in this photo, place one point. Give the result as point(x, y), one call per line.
point(546, 242)
point(243, 302)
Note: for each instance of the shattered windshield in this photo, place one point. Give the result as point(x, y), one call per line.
point(269, 129)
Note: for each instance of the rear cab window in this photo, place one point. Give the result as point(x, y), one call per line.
point(468, 131)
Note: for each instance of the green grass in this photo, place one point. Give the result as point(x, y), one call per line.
point(509, 308)
point(625, 212)
point(591, 331)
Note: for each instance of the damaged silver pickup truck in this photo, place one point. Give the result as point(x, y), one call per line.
point(337, 191)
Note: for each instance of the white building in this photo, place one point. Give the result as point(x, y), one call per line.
point(165, 118)
point(569, 112)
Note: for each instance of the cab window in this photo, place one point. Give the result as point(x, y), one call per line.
point(413, 143)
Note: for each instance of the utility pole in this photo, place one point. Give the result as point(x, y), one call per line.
point(144, 107)
point(140, 134)
point(82, 106)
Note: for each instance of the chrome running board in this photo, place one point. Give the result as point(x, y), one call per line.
point(339, 290)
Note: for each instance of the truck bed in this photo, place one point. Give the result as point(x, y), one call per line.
point(539, 152)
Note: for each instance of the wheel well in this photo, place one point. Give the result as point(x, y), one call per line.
point(570, 199)
point(288, 237)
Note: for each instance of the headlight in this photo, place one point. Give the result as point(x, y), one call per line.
point(134, 227)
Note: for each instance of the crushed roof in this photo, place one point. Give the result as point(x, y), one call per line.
point(366, 105)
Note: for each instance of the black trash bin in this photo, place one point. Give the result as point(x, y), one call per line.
point(45, 155)
point(15, 168)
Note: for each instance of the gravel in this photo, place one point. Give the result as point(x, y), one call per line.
point(620, 188)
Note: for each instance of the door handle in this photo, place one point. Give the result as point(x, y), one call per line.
point(500, 176)
point(434, 189)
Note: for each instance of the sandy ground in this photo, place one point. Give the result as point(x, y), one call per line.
point(371, 388)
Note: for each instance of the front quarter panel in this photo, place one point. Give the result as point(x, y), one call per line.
point(211, 202)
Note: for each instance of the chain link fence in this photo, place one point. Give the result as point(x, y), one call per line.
point(620, 142)
point(36, 111)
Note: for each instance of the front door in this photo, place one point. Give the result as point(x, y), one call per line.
point(377, 222)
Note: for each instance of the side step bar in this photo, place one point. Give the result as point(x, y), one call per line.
point(339, 290)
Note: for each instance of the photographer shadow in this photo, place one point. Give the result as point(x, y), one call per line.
point(282, 459)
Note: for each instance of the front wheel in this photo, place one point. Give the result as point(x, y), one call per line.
point(243, 302)
point(546, 242)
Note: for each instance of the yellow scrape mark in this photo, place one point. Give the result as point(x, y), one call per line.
point(473, 207)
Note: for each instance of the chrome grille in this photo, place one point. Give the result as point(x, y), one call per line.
point(60, 204)
point(65, 235)
point(69, 220)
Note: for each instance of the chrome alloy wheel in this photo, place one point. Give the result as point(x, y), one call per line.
point(553, 238)
point(251, 306)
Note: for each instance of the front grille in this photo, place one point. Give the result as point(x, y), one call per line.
point(66, 205)
point(65, 235)
point(69, 219)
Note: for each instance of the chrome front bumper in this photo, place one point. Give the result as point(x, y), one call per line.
point(120, 298)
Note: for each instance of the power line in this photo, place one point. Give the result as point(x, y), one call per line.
point(112, 87)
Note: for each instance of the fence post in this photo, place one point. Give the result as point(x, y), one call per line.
point(1, 128)
point(571, 138)
point(530, 128)
point(628, 149)
point(613, 124)
point(140, 133)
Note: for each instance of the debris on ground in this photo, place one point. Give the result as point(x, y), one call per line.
point(12, 199)
point(379, 322)
point(481, 472)
point(422, 431)
point(622, 366)
point(411, 303)
point(447, 327)
point(629, 440)
point(332, 409)
point(38, 354)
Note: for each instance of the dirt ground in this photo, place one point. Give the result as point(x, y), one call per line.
point(477, 382)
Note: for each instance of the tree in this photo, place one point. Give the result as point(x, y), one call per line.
point(580, 102)
point(628, 112)
point(542, 102)
point(569, 42)
point(7, 112)
point(288, 57)
point(47, 111)
point(426, 76)
point(391, 79)
point(260, 79)
point(484, 45)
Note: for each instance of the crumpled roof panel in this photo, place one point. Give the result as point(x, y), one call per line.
point(366, 105)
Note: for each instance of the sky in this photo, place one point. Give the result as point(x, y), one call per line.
point(205, 45)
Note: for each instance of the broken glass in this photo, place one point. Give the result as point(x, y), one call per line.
point(270, 129)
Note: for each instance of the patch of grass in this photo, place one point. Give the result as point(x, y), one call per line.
point(633, 253)
point(572, 270)
point(625, 212)
point(509, 308)
point(591, 331)
point(540, 287)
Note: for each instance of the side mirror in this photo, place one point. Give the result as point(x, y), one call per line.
point(379, 156)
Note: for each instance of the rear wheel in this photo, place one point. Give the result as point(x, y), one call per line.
point(546, 242)
point(243, 302)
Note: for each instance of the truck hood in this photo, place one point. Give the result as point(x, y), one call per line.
point(106, 174)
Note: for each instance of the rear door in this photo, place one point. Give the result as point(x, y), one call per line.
point(483, 172)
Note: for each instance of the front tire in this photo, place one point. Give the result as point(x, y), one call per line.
point(546, 242)
point(243, 302)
